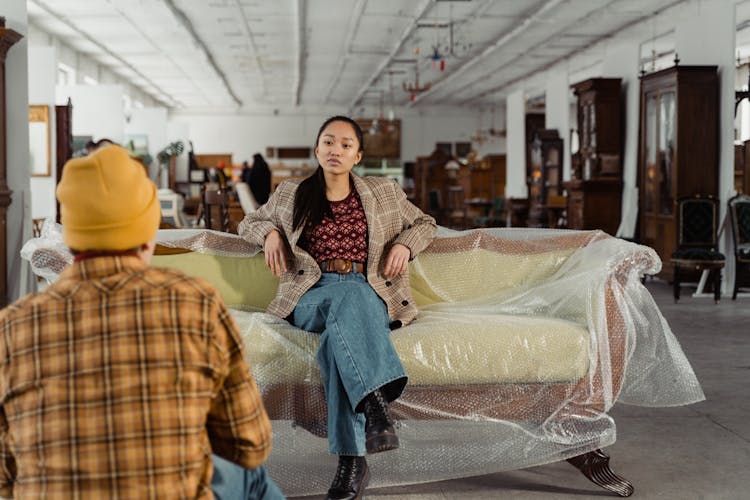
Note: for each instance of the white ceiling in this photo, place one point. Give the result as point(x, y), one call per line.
point(286, 53)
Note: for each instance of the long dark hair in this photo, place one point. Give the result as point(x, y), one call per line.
point(310, 202)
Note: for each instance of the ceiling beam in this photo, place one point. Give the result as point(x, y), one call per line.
point(188, 25)
point(168, 102)
point(301, 49)
point(354, 21)
point(251, 39)
point(570, 54)
point(421, 10)
point(503, 40)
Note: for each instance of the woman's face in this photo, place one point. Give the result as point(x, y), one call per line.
point(337, 150)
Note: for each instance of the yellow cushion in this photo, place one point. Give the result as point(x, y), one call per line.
point(467, 274)
point(439, 348)
point(243, 282)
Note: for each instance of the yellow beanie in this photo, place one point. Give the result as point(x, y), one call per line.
point(107, 202)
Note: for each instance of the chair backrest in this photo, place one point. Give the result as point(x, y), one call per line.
point(216, 209)
point(247, 200)
point(171, 208)
point(456, 197)
point(697, 221)
point(739, 216)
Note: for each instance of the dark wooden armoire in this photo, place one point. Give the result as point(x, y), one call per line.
point(8, 38)
point(595, 189)
point(678, 150)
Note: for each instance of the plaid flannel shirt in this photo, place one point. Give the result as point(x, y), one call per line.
point(119, 381)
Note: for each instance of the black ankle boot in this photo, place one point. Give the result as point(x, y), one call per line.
point(379, 432)
point(351, 479)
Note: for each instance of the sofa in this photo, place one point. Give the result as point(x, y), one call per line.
point(524, 341)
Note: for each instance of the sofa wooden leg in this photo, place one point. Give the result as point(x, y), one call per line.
point(595, 466)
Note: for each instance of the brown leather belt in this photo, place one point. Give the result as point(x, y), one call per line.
point(341, 266)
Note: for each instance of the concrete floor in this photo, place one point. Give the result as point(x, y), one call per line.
point(695, 452)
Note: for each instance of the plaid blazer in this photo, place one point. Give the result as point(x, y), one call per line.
point(391, 218)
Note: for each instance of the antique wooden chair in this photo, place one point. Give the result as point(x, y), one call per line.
point(697, 224)
point(216, 210)
point(739, 217)
point(455, 214)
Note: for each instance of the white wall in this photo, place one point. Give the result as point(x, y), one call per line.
point(42, 72)
point(516, 160)
point(97, 110)
point(557, 112)
point(18, 229)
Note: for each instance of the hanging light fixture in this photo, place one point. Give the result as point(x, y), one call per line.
point(415, 88)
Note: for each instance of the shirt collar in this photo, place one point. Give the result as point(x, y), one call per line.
point(103, 266)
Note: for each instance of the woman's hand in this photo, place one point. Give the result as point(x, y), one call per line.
point(276, 252)
point(397, 260)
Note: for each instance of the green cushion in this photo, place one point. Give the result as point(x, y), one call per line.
point(243, 282)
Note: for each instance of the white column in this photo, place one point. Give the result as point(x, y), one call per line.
point(621, 61)
point(557, 113)
point(515, 185)
point(715, 20)
point(42, 75)
point(17, 141)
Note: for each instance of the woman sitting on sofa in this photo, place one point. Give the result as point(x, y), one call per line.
point(341, 245)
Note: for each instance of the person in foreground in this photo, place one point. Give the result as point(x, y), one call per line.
point(341, 245)
point(120, 380)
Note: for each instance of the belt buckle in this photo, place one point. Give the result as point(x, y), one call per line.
point(342, 266)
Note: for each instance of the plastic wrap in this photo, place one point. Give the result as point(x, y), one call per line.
point(524, 341)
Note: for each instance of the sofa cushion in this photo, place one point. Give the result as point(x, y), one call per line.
point(437, 349)
point(241, 281)
point(441, 275)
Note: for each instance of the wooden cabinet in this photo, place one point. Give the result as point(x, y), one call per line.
point(678, 149)
point(595, 189)
point(742, 168)
point(545, 175)
point(594, 204)
point(8, 38)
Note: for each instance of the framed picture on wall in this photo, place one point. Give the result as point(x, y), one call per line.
point(39, 141)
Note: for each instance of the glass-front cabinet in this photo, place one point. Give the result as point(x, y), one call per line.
point(545, 175)
point(595, 189)
point(678, 153)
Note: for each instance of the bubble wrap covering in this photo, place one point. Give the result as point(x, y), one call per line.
point(525, 339)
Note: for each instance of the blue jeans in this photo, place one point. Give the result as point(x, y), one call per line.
point(232, 482)
point(356, 355)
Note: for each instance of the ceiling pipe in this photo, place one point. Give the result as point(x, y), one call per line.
point(354, 21)
point(570, 54)
point(251, 39)
point(551, 4)
point(301, 48)
point(169, 102)
point(422, 9)
point(183, 19)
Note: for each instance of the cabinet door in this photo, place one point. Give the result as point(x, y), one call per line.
point(666, 152)
point(650, 172)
